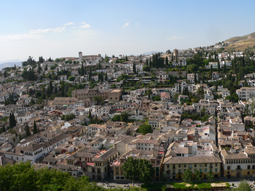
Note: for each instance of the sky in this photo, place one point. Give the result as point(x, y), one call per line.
point(61, 28)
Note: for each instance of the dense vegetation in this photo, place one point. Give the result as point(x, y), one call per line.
point(138, 170)
point(23, 177)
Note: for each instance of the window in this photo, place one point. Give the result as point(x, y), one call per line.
point(200, 165)
point(200, 170)
point(205, 165)
point(179, 166)
point(205, 169)
point(195, 165)
point(184, 165)
point(248, 167)
point(228, 167)
point(216, 170)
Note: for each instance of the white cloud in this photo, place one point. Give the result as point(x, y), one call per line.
point(71, 23)
point(176, 37)
point(137, 24)
point(20, 37)
point(125, 25)
point(32, 34)
point(56, 30)
point(85, 25)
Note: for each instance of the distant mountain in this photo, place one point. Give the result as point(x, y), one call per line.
point(152, 52)
point(241, 42)
point(10, 64)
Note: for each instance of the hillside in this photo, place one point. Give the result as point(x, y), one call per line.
point(241, 42)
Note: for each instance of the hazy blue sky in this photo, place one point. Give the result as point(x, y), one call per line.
point(59, 28)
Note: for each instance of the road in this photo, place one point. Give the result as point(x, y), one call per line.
point(234, 181)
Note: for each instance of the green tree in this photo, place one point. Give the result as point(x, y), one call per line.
point(156, 98)
point(224, 68)
point(30, 61)
point(130, 169)
point(10, 121)
point(146, 170)
point(134, 68)
point(5, 74)
point(98, 99)
point(35, 130)
point(41, 60)
point(210, 176)
point(82, 69)
point(90, 74)
point(187, 176)
point(146, 68)
point(27, 130)
point(167, 60)
point(243, 186)
point(116, 118)
point(144, 129)
point(218, 66)
point(124, 117)
point(71, 78)
point(197, 175)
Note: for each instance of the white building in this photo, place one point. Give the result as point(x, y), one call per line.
point(245, 93)
point(33, 151)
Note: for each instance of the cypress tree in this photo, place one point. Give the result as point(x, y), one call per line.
point(13, 119)
point(35, 128)
point(245, 83)
point(50, 87)
point(216, 129)
point(89, 114)
point(10, 121)
point(243, 61)
point(90, 74)
point(225, 69)
point(218, 66)
point(39, 68)
point(82, 69)
point(134, 68)
point(27, 130)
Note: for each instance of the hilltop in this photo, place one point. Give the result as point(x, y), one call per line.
point(241, 42)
